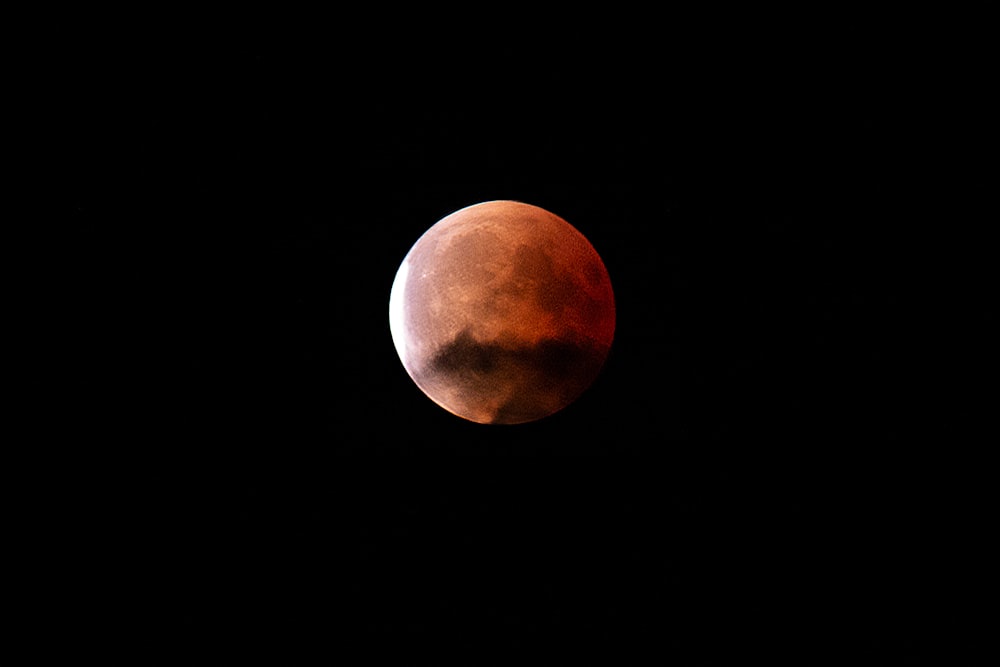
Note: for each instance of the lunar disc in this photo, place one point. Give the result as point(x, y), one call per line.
point(502, 313)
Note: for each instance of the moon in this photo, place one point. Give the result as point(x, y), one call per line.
point(502, 313)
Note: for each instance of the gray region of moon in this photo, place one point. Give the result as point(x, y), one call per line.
point(509, 384)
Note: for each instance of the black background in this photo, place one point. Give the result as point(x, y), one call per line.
point(738, 481)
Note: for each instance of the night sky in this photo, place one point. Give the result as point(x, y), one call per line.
point(233, 215)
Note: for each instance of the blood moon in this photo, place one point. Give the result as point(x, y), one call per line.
point(502, 313)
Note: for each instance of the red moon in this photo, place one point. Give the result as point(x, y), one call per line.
point(502, 313)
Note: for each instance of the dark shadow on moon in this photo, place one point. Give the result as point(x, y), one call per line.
point(525, 382)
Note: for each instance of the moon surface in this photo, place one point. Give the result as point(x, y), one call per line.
point(502, 313)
